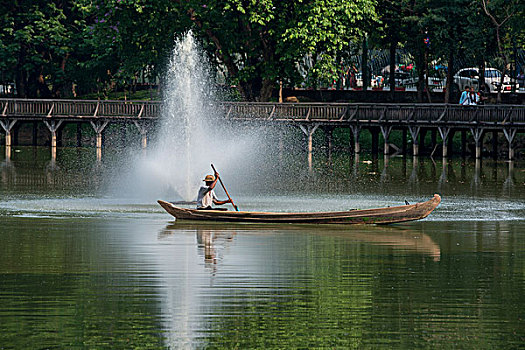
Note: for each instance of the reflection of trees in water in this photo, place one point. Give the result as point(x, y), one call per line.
point(65, 282)
point(51, 174)
point(390, 175)
point(354, 289)
point(318, 285)
point(8, 172)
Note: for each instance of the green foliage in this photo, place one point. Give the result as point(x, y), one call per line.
point(261, 42)
point(36, 39)
point(128, 39)
point(60, 48)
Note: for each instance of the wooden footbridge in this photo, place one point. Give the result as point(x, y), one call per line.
point(413, 119)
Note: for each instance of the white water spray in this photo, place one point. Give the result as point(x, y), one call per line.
point(185, 135)
point(192, 132)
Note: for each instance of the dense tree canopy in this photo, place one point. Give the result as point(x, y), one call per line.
point(63, 48)
point(261, 42)
point(36, 41)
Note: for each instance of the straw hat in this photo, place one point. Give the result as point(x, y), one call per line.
point(209, 178)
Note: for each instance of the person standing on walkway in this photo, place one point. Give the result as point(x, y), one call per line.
point(473, 98)
point(464, 99)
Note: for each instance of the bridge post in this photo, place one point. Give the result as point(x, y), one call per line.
point(509, 181)
point(495, 144)
point(433, 137)
point(8, 125)
point(34, 135)
point(143, 127)
point(443, 176)
point(510, 134)
point(375, 141)
point(404, 142)
point(356, 164)
point(414, 133)
point(444, 131)
point(99, 127)
point(463, 143)
point(329, 134)
point(53, 128)
point(477, 172)
point(356, 131)
point(477, 133)
point(422, 137)
point(451, 141)
point(79, 134)
point(413, 174)
point(281, 145)
point(385, 130)
point(308, 130)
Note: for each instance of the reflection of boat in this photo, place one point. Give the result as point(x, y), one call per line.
point(402, 213)
point(397, 238)
point(407, 241)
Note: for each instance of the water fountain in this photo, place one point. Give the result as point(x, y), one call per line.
point(192, 132)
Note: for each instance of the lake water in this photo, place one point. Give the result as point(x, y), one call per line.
point(83, 266)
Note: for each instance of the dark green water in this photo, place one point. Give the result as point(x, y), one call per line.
point(85, 267)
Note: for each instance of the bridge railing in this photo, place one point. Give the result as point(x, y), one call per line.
point(78, 108)
point(401, 113)
point(307, 112)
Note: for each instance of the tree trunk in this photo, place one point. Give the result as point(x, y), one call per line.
point(481, 78)
point(420, 77)
point(502, 79)
point(61, 89)
point(450, 76)
point(364, 64)
point(500, 46)
point(392, 80)
point(21, 74)
point(426, 76)
point(38, 84)
point(266, 90)
point(20, 82)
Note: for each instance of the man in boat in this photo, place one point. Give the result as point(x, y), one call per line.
point(207, 197)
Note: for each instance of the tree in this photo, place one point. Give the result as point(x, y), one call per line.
point(35, 44)
point(453, 33)
point(500, 13)
point(415, 26)
point(128, 38)
point(390, 34)
point(261, 42)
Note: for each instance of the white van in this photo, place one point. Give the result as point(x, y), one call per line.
point(7, 89)
point(470, 77)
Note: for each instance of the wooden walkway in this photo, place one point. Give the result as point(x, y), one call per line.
point(309, 117)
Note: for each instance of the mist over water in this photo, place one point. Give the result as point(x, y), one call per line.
point(192, 132)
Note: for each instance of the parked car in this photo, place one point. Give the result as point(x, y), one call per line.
point(7, 89)
point(403, 79)
point(470, 77)
point(359, 81)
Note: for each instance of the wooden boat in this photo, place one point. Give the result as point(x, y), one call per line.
point(388, 215)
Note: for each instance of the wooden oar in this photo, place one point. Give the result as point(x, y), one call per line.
point(224, 188)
